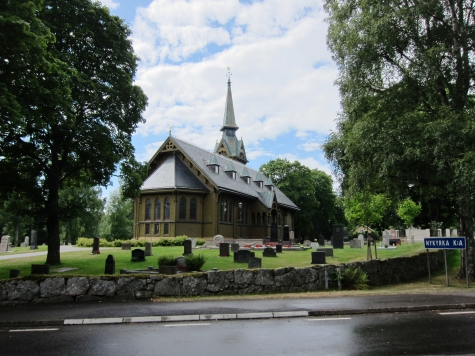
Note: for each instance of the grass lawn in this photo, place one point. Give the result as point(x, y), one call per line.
point(88, 264)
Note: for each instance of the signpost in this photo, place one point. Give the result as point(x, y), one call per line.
point(446, 243)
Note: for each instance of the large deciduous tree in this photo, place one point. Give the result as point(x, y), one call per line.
point(406, 82)
point(67, 74)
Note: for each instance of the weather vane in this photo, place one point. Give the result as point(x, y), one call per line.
point(169, 130)
point(229, 74)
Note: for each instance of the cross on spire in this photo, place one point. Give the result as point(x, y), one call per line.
point(229, 74)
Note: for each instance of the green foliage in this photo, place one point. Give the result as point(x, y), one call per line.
point(366, 209)
point(177, 241)
point(354, 278)
point(200, 242)
point(408, 210)
point(118, 219)
point(195, 262)
point(166, 260)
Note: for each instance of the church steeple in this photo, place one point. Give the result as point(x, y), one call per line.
point(230, 146)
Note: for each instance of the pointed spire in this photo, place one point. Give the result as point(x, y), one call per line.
point(229, 121)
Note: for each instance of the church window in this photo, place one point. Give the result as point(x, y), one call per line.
point(253, 219)
point(166, 209)
point(157, 209)
point(166, 229)
point(193, 209)
point(156, 230)
point(182, 209)
point(147, 229)
point(225, 210)
point(148, 209)
point(258, 219)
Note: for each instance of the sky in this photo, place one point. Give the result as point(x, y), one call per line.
point(282, 75)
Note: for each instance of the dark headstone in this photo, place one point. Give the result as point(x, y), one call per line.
point(273, 232)
point(345, 235)
point(95, 246)
point(224, 249)
point(328, 251)
point(126, 246)
point(394, 242)
point(138, 255)
point(14, 273)
point(269, 252)
point(278, 248)
point(39, 269)
point(187, 247)
point(338, 234)
point(110, 265)
point(148, 249)
point(34, 240)
point(321, 240)
point(318, 258)
point(234, 247)
point(243, 256)
point(254, 262)
point(286, 234)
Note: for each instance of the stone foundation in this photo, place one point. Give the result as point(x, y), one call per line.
point(45, 289)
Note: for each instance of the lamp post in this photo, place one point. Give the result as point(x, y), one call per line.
point(240, 219)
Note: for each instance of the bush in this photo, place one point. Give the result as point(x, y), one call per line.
point(177, 241)
point(84, 242)
point(166, 260)
point(195, 262)
point(200, 242)
point(354, 278)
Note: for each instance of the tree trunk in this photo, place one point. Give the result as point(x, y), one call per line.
point(466, 229)
point(52, 215)
point(17, 227)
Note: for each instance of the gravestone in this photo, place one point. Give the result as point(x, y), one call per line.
point(34, 240)
point(292, 237)
point(4, 243)
point(328, 251)
point(439, 232)
point(386, 237)
point(187, 247)
point(318, 258)
point(234, 247)
point(345, 235)
point(278, 248)
point(14, 273)
point(180, 262)
point(286, 235)
point(447, 232)
point(454, 232)
point(355, 243)
point(269, 252)
point(126, 246)
point(321, 240)
point(314, 245)
point(338, 234)
point(217, 239)
point(148, 249)
point(95, 246)
point(243, 256)
point(273, 232)
point(110, 265)
point(193, 243)
point(361, 238)
point(26, 241)
point(254, 262)
point(224, 249)
point(40, 269)
point(138, 255)
point(307, 243)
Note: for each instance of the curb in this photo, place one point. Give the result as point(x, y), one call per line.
point(243, 316)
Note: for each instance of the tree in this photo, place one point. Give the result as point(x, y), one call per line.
point(408, 210)
point(406, 82)
point(118, 220)
point(74, 107)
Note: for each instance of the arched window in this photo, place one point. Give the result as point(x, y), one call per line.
point(253, 219)
point(258, 218)
point(148, 209)
point(157, 209)
point(193, 209)
point(182, 209)
point(166, 211)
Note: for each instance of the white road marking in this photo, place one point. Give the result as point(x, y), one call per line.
point(28, 330)
point(200, 324)
point(461, 312)
point(329, 319)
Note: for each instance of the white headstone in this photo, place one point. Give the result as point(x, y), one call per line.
point(314, 245)
point(193, 243)
point(439, 232)
point(455, 233)
point(217, 239)
point(361, 238)
point(27, 241)
point(447, 232)
point(4, 243)
point(386, 237)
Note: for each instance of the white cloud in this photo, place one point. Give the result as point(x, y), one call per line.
point(110, 4)
point(311, 146)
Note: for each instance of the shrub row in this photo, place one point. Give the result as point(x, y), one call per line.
point(177, 241)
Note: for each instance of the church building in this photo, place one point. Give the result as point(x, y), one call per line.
point(191, 191)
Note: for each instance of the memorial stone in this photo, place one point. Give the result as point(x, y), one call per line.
point(454, 232)
point(278, 248)
point(328, 251)
point(224, 249)
point(254, 262)
point(321, 240)
point(187, 247)
point(14, 273)
point(307, 243)
point(95, 246)
point(345, 235)
point(126, 246)
point(27, 241)
point(40, 269)
point(273, 232)
point(318, 258)
point(180, 263)
point(234, 247)
point(286, 235)
point(269, 252)
point(138, 255)
point(110, 265)
point(386, 238)
point(148, 249)
point(361, 239)
point(439, 232)
point(34, 240)
point(193, 243)
point(4, 243)
point(292, 237)
point(338, 233)
point(217, 239)
point(314, 245)
point(447, 232)
point(355, 243)
point(243, 256)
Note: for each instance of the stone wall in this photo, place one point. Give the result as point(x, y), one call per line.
point(45, 289)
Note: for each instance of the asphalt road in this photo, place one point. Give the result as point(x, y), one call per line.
point(421, 333)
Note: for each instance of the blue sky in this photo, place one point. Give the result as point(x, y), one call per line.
point(285, 100)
